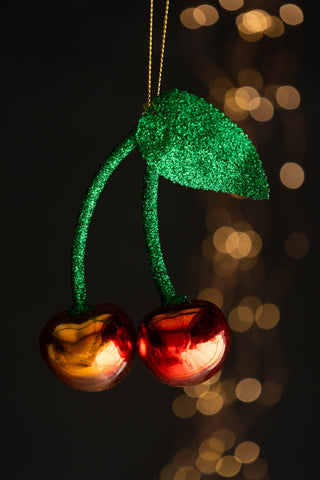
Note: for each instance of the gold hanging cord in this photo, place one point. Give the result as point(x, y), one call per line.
point(163, 43)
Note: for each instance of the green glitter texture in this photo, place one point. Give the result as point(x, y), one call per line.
point(86, 211)
point(152, 241)
point(188, 141)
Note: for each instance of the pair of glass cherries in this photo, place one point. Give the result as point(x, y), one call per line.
point(186, 140)
point(181, 344)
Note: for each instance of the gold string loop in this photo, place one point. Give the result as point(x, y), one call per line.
point(163, 43)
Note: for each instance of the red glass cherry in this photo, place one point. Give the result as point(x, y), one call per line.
point(184, 344)
point(91, 351)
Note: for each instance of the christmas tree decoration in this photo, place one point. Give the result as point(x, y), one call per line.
point(92, 350)
point(186, 140)
point(184, 344)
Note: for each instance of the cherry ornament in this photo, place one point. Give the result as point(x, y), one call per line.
point(184, 344)
point(89, 351)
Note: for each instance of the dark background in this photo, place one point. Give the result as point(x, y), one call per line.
point(74, 83)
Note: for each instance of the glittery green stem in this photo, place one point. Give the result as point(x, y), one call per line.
point(87, 207)
point(151, 233)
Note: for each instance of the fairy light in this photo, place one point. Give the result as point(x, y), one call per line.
point(210, 403)
point(276, 28)
point(226, 436)
point(184, 406)
point(255, 470)
point(240, 319)
point(244, 95)
point(271, 393)
point(291, 14)
point(187, 473)
point(248, 390)
point(250, 77)
point(225, 266)
point(288, 97)
point(261, 109)
point(196, 391)
point(167, 472)
point(205, 463)
point(256, 21)
point(267, 316)
point(220, 237)
point(185, 457)
point(292, 175)
point(212, 295)
point(232, 108)
point(231, 5)
point(228, 466)
point(188, 19)
point(251, 302)
point(247, 452)
point(228, 388)
point(206, 15)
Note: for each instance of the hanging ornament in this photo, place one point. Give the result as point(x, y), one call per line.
point(186, 140)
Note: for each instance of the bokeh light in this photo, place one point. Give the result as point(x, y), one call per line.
point(218, 89)
point(167, 472)
point(256, 21)
point(255, 470)
point(292, 175)
point(297, 245)
point(212, 295)
point(206, 463)
point(231, 4)
point(267, 316)
point(184, 407)
point(228, 389)
point(210, 403)
point(250, 77)
point(271, 393)
point(206, 15)
point(276, 28)
point(248, 390)
point(232, 108)
point(224, 265)
point(220, 237)
point(247, 452)
point(238, 244)
point(240, 319)
point(185, 457)
point(244, 95)
point(201, 16)
point(226, 436)
point(251, 302)
point(188, 20)
point(291, 14)
point(261, 109)
point(228, 466)
point(216, 217)
point(187, 473)
point(288, 97)
point(196, 391)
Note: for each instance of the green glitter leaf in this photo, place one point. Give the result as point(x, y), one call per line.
point(188, 141)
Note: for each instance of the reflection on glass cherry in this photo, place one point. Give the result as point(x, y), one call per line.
point(184, 344)
point(90, 351)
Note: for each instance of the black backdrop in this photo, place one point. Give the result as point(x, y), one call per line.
point(75, 82)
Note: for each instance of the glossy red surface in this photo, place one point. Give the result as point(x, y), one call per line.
point(91, 351)
point(184, 344)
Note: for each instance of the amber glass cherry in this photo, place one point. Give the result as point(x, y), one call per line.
point(91, 351)
point(184, 344)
